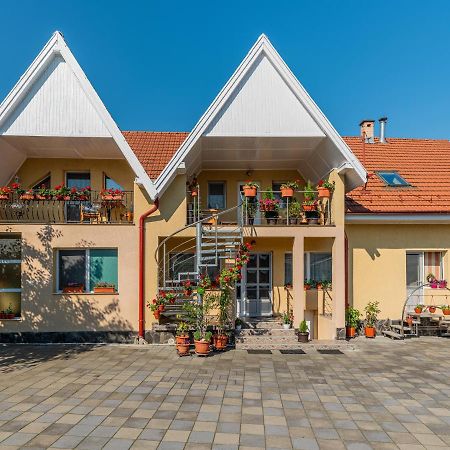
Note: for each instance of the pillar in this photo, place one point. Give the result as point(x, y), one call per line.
point(298, 280)
point(338, 268)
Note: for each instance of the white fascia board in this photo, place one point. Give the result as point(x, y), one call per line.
point(57, 44)
point(262, 45)
point(396, 218)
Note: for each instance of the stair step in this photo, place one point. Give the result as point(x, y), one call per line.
point(399, 327)
point(266, 332)
point(392, 334)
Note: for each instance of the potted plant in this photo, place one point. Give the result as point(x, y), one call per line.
point(222, 302)
point(308, 284)
point(352, 316)
point(182, 339)
point(327, 285)
point(238, 324)
point(294, 211)
point(445, 310)
point(418, 309)
point(309, 195)
point(325, 189)
point(286, 320)
point(157, 306)
point(16, 189)
point(269, 205)
point(372, 310)
point(203, 284)
point(192, 186)
point(303, 332)
point(250, 189)
point(5, 192)
point(83, 194)
point(187, 288)
point(73, 288)
point(43, 193)
point(104, 288)
point(8, 313)
point(27, 195)
point(442, 284)
point(62, 192)
point(432, 280)
point(197, 314)
point(288, 188)
point(432, 309)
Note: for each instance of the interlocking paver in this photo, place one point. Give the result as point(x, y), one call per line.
point(378, 394)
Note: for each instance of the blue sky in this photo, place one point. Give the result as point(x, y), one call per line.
point(158, 64)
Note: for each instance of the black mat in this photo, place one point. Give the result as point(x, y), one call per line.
point(296, 351)
point(260, 352)
point(331, 351)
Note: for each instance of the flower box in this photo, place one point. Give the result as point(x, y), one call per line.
point(4, 196)
point(309, 208)
point(74, 289)
point(287, 192)
point(104, 290)
point(323, 192)
point(7, 316)
point(249, 191)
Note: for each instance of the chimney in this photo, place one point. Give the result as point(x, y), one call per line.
point(367, 130)
point(382, 121)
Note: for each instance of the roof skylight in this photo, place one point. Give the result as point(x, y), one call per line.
point(392, 178)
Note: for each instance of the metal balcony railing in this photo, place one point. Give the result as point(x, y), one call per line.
point(90, 208)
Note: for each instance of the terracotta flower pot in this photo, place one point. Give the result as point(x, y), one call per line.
point(161, 308)
point(308, 208)
point(432, 309)
point(287, 192)
point(417, 310)
point(303, 337)
point(194, 193)
point(323, 192)
point(249, 191)
point(202, 347)
point(104, 290)
point(220, 341)
point(27, 197)
point(446, 312)
point(156, 314)
point(350, 332)
point(4, 196)
point(370, 332)
point(183, 344)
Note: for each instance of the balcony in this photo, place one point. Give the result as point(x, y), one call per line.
point(90, 207)
point(258, 211)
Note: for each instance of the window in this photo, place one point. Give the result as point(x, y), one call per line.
point(288, 269)
point(86, 268)
point(392, 179)
point(45, 183)
point(78, 179)
point(10, 273)
point(181, 263)
point(216, 195)
point(318, 266)
point(111, 184)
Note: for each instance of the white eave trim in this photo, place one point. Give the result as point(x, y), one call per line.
point(262, 45)
point(57, 44)
point(396, 218)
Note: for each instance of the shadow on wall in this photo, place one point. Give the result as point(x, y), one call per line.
point(42, 311)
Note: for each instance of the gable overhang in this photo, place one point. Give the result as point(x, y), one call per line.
point(328, 152)
point(17, 142)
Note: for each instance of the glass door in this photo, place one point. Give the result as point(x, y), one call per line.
point(76, 180)
point(414, 279)
point(256, 287)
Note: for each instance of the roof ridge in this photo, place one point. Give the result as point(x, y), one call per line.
point(391, 138)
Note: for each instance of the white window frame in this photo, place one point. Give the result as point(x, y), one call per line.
point(87, 277)
point(422, 253)
point(292, 266)
point(13, 261)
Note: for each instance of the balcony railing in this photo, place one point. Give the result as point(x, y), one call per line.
point(269, 208)
point(92, 208)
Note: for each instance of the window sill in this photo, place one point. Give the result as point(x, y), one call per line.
point(84, 293)
point(16, 319)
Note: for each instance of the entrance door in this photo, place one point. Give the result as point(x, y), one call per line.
point(257, 286)
point(253, 208)
point(414, 279)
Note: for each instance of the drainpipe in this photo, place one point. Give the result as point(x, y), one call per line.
point(142, 265)
point(346, 270)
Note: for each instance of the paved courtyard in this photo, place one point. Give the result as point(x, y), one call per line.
point(380, 395)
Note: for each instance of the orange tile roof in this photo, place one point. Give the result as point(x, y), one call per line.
point(423, 163)
point(154, 148)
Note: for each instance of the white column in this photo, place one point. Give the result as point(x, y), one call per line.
point(298, 280)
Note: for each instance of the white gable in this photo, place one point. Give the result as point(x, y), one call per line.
point(55, 105)
point(263, 105)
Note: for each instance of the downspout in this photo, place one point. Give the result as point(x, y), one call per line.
point(142, 265)
point(346, 269)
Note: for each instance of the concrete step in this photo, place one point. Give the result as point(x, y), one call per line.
point(266, 332)
point(266, 323)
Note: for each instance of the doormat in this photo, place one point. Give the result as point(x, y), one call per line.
point(259, 352)
point(330, 351)
point(296, 351)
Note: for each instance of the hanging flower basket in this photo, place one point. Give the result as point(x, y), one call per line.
point(308, 207)
point(323, 192)
point(250, 189)
point(287, 192)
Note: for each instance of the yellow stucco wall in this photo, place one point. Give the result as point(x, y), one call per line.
point(377, 262)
